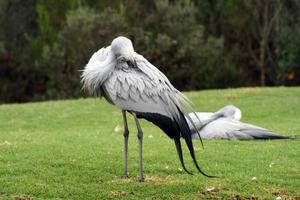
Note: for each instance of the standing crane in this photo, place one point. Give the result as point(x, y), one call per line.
point(130, 82)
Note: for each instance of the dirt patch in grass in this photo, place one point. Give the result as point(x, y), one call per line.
point(284, 195)
point(23, 197)
point(123, 180)
point(277, 192)
point(162, 180)
point(5, 143)
point(229, 96)
point(150, 180)
point(211, 192)
point(239, 197)
point(117, 193)
point(251, 90)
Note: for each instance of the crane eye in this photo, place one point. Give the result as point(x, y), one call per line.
point(121, 59)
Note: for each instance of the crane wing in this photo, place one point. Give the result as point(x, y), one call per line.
point(131, 89)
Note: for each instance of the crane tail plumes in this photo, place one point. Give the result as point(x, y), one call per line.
point(175, 129)
point(186, 134)
point(187, 105)
point(179, 152)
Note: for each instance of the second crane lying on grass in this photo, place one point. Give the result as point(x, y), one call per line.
point(226, 124)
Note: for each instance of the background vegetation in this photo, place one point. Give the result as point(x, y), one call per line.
point(197, 44)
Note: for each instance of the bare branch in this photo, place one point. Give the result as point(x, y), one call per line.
point(249, 45)
point(274, 18)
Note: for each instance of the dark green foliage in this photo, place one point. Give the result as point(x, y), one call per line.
point(18, 27)
point(198, 44)
point(288, 70)
point(84, 32)
point(178, 47)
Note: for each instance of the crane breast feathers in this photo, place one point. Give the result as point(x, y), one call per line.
point(97, 70)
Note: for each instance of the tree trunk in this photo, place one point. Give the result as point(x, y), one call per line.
point(263, 42)
point(262, 63)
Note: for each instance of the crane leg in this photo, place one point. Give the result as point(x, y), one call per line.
point(126, 134)
point(140, 137)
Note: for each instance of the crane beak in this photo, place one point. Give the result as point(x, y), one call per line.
point(132, 60)
point(134, 63)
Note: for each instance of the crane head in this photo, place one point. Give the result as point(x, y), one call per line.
point(229, 111)
point(123, 49)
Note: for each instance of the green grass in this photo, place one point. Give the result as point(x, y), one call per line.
point(69, 150)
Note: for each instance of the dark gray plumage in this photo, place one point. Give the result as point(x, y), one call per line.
point(128, 81)
point(225, 124)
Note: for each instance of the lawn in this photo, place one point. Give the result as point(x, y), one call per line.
point(73, 149)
